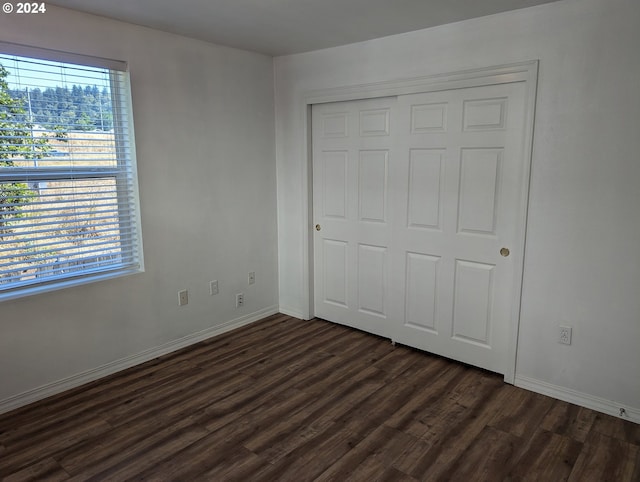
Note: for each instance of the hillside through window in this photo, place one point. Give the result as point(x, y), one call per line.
point(68, 189)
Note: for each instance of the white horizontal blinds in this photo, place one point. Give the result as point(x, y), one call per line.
point(26, 51)
point(68, 204)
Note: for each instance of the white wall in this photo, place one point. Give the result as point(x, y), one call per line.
point(582, 263)
point(204, 124)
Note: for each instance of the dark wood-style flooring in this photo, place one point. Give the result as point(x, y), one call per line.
point(285, 399)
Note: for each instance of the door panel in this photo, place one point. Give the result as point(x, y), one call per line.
point(426, 177)
point(352, 149)
point(374, 122)
point(484, 114)
point(428, 118)
point(421, 310)
point(477, 195)
point(372, 279)
point(372, 185)
point(335, 272)
point(473, 300)
point(334, 183)
point(425, 190)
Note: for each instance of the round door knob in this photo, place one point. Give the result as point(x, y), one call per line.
point(505, 252)
point(318, 228)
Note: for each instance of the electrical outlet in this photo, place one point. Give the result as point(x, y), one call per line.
point(252, 277)
point(565, 335)
point(239, 300)
point(183, 297)
point(213, 287)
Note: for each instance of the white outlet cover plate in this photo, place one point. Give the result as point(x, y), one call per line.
point(565, 335)
point(183, 297)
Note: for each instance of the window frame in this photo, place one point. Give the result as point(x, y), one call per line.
point(124, 174)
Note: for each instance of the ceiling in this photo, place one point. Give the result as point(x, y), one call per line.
point(281, 27)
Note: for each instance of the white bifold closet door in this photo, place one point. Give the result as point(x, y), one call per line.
point(417, 205)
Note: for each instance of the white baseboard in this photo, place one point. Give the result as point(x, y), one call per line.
point(578, 398)
point(287, 310)
point(73, 381)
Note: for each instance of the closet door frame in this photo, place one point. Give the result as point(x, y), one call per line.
point(526, 72)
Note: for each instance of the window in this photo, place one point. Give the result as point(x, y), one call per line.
point(68, 188)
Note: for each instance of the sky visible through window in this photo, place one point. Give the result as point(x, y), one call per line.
point(58, 94)
point(34, 73)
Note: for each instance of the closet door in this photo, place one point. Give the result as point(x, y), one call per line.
point(353, 160)
point(418, 204)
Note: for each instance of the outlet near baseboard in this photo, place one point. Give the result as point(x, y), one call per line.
point(183, 297)
point(565, 335)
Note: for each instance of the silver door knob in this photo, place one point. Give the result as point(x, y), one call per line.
point(318, 228)
point(505, 252)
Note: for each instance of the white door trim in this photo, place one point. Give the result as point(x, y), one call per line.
point(526, 72)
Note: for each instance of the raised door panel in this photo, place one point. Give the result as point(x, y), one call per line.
point(426, 177)
point(421, 298)
point(485, 114)
point(334, 183)
point(374, 122)
point(372, 185)
point(372, 279)
point(336, 278)
point(334, 124)
point(427, 118)
point(473, 302)
point(478, 192)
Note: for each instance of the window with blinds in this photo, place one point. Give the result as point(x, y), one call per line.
point(68, 188)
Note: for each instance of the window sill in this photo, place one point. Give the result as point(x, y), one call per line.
point(68, 283)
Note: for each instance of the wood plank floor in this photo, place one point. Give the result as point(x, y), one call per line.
point(285, 399)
